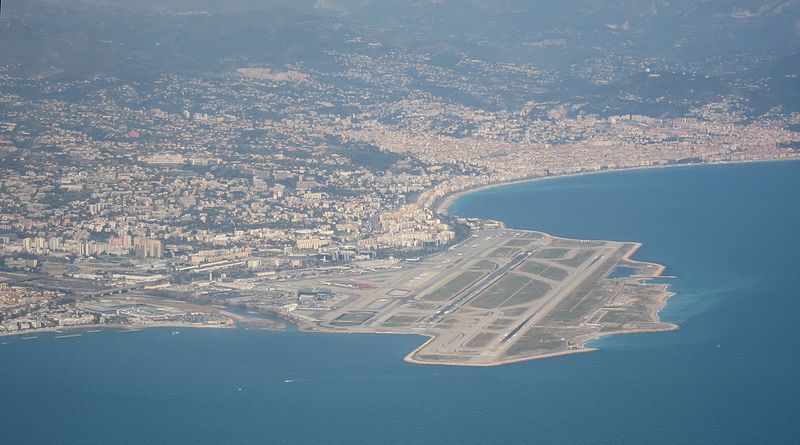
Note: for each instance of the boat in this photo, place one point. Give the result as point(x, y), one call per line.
point(68, 335)
point(176, 332)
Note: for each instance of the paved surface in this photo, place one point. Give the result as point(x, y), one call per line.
point(500, 296)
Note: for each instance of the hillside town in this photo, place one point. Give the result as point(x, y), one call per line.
point(259, 175)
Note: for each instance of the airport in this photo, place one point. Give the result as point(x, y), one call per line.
point(498, 297)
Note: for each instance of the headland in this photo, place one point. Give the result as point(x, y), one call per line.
point(501, 296)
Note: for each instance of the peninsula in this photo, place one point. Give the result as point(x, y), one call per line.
point(498, 297)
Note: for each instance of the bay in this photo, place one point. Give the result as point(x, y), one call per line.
point(728, 234)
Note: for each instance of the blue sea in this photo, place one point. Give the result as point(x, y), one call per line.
point(729, 234)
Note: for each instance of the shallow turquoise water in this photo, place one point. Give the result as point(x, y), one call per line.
point(729, 233)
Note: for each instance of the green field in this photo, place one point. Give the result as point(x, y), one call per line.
point(501, 323)
point(400, 320)
point(613, 317)
point(531, 291)
point(535, 341)
point(454, 286)
point(484, 265)
point(533, 268)
point(481, 340)
point(551, 254)
point(504, 252)
point(579, 259)
point(554, 273)
point(582, 301)
point(517, 243)
point(500, 291)
point(352, 318)
point(551, 272)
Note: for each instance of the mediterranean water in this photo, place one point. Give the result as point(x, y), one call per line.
point(729, 234)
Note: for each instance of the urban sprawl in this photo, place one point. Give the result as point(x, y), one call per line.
point(118, 199)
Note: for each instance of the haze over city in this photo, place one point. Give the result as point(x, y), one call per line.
point(284, 170)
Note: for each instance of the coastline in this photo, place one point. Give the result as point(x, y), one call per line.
point(656, 271)
point(443, 204)
point(238, 321)
point(119, 327)
point(581, 348)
